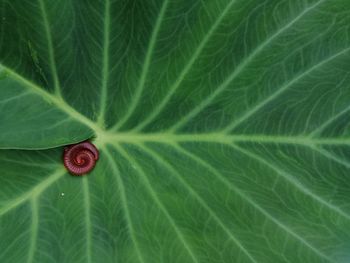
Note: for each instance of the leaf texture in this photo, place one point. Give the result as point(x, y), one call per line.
point(223, 130)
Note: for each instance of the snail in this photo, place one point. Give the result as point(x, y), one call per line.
point(80, 158)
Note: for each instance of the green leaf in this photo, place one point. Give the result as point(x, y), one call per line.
point(223, 130)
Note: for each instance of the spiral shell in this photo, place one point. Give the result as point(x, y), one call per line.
point(79, 159)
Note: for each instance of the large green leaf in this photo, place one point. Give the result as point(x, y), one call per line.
point(223, 128)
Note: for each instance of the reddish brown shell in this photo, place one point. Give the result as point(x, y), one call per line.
point(79, 159)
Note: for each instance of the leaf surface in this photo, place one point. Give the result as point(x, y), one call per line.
point(223, 130)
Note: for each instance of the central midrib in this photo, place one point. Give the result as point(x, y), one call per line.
point(217, 138)
point(104, 136)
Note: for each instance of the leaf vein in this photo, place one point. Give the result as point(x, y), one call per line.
point(87, 207)
point(50, 48)
point(35, 191)
point(289, 178)
point(251, 201)
point(239, 69)
point(156, 199)
point(186, 69)
point(175, 173)
point(34, 230)
point(141, 83)
point(125, 205)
